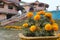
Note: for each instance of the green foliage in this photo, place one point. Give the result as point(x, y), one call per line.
point(40, 24)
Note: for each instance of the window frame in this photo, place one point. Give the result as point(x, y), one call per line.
point(10, 6)
point(1, 5)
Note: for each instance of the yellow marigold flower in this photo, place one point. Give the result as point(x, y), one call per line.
point(20, 28)
point(6, 26)
point(41, 12)
point(25, 25)
point(14, 26)
point(29, 14)
point(33, 28)
point(49, 15)
point(37, 17)
point(55, 26)
point(51, 20)
point(17, 27)
point(48, 27)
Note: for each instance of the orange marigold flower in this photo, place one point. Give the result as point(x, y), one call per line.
point(55, 26)
point(37, 17)
point(8, 27)
point(41, 12)
point(48, 27)
point(51, 20)
point(33, 28)
point(49, 15)
point(29, 14)
point(25, 25)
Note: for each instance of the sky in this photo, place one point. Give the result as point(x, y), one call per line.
point(52, 3)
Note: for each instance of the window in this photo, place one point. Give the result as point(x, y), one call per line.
point(10, 7)
point(1, 4)
point(19, 0)
point(41, 5)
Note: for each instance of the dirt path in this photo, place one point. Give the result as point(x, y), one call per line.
point(9, 34)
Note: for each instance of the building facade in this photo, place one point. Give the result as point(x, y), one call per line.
point(36, 5)
point(8, 8)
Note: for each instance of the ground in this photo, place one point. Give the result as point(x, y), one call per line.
point(6, 34)
point(9, 34)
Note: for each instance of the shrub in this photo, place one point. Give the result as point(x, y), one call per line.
point(41, 24)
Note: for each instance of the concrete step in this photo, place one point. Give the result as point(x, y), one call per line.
point(13, 19)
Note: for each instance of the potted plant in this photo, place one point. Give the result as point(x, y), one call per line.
point(39, 27)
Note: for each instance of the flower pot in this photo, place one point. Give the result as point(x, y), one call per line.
point(22, 37)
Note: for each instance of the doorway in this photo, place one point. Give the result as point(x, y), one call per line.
point(9, 16)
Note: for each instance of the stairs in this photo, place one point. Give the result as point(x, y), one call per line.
point(13, 19)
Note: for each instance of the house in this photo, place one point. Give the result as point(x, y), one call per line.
point(36, 5)
point(8, 8)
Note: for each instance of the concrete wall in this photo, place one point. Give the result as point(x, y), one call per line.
point(2, 16)
point(6, 10)
point(16, 1)
point(27, 8)
point(35, 9)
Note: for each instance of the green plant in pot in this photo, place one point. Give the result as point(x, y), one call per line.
point(39, 27)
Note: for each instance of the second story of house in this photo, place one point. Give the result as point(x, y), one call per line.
point(9, 6)
point(36, 5)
